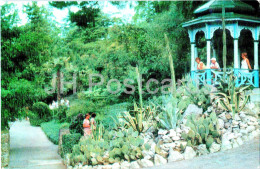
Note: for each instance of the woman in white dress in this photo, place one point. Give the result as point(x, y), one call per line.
point(245, 64)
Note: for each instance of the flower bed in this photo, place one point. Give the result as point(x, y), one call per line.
point(198, 134)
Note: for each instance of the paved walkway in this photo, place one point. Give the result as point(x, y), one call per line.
point(243, 157)
point(31, 149)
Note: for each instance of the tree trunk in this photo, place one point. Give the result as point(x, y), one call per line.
point(58, 88)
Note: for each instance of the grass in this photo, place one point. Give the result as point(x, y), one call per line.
point(51, 129)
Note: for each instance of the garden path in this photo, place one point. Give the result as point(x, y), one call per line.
point(31, 149)
point(243, 157)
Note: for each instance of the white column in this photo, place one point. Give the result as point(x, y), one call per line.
point(192, 66)
point(256, 54)
point(196, 52)
point(208, 53)
point(236, 56)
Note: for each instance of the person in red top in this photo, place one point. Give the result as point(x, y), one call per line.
point(86, 125)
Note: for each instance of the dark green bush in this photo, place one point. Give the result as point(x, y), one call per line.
point(68, 141)
point(76, 125)
point(42, 110)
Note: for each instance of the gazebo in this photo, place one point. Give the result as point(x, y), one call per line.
point(239, 16)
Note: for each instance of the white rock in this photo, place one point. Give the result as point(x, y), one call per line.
point(116, 166)
point(192, 109)
point(107, 167)
point(176, 138)
point(166, 139)
point(214, 147)
point(250, 118)
point(162, 132)
point(221, 123)
point(228, 136)
point(242, 125)
point(223, 117)
point(237, 118)
point(243, 131)
point(175, 156)
point(255, 134)
point(88, 167)
point(250, 129)
point(169, 145)
point(125, 165)
point(158, 160)
point(235, 144)
point(239, 141)
point(189, 153)
point(145, 163)
point(234, 122)
point(242, 115)
point(80, 166)
point(178, 130)
point(172, 133)
point(227, 125)
point(153, 145)
point(134, 165)
point(226, 145)
point(202, 149)
point(250, 123)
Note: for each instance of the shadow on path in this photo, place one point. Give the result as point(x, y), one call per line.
point(31, 149)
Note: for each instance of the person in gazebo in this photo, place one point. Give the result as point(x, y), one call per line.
point(214, 64)
point(245, 64)
point(200, 65)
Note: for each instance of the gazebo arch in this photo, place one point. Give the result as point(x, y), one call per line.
point(239, 16)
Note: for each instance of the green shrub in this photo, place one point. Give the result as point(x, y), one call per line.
point(42, 110)
point(76, 125)
point(68, 141)
point(204, 130)
point(51, 129)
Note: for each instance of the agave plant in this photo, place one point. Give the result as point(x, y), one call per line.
point(230, 97)
point(141, 116)
point(171, 117)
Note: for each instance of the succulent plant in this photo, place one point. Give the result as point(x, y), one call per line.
point(203, 130)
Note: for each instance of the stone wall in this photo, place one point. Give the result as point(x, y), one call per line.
point(5, 148)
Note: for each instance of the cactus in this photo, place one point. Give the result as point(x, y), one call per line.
point(203, 130)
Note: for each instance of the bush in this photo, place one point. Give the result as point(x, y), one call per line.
point(42, 111)
point(68, 141)
point(51, 129)
point(76, 125)
point(61, 114)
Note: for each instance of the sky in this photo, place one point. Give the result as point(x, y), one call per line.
point(60, 15)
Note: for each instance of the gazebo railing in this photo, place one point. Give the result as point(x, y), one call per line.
point(213, 76)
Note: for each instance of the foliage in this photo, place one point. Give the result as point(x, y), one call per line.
point(51, 129)
point(60, 113)
point(188, 93)
point(230, 97)
point(170, 116)
point(141, 119)
point(76, 125)
point(114, 147)
point(203, 130)
point(42, 110)
point(68, 141)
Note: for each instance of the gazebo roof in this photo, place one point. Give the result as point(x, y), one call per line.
point(235, 11)
point(230, 6)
